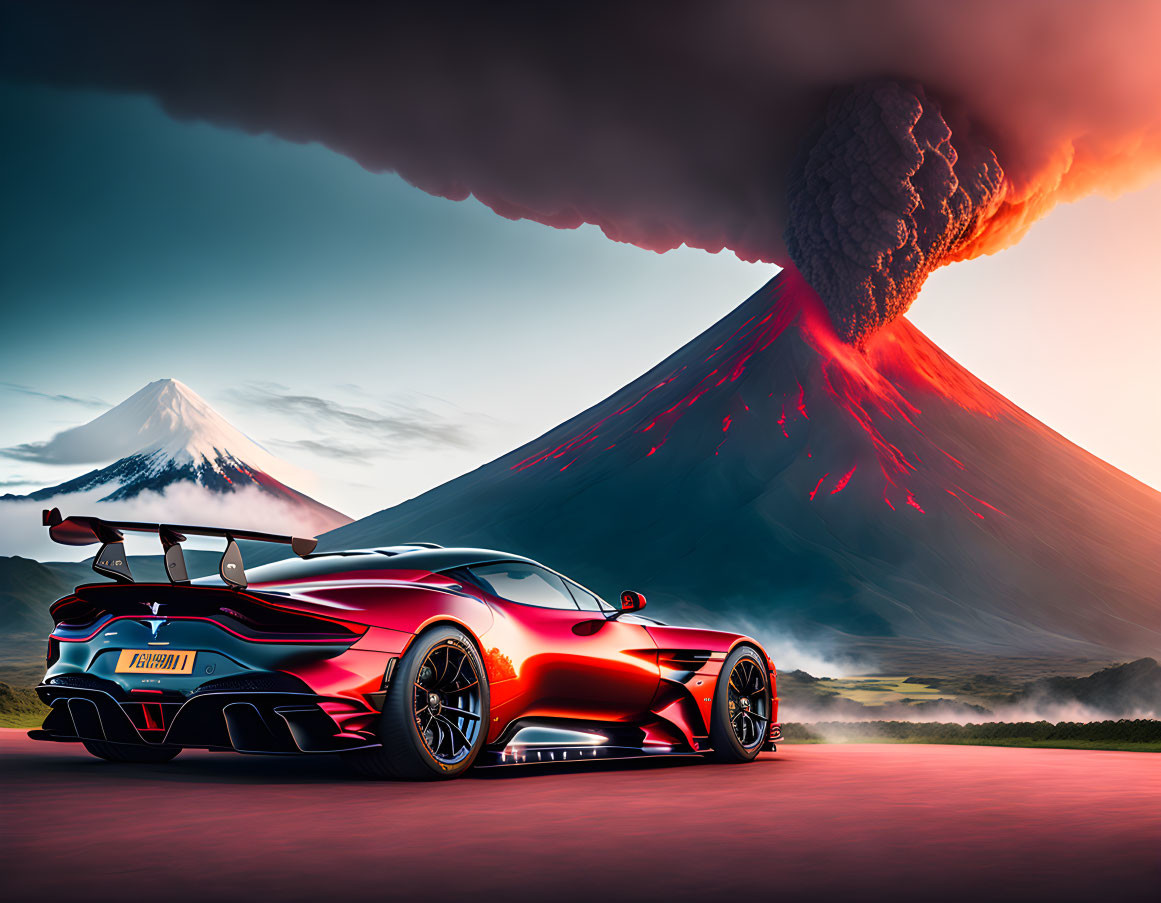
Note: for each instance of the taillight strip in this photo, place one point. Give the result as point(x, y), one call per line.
point(64, 639)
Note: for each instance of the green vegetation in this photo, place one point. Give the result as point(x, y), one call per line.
point(1131, 689)
point(886, 690)
point(879, 690)
point(20, 707)
point(1140, 735)
point(27, 589)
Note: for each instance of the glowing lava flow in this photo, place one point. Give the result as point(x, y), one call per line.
point(843, 480)
point(864, 384)
point(861, 383)
point(752, 337)
point(590, 435)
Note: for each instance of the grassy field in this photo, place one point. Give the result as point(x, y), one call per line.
point(881, 690)
point(20, 707)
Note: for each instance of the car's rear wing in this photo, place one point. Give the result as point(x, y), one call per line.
point(111, 560)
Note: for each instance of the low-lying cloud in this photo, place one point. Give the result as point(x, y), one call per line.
point(332, 448)
point(248, 508)
point(356, 432)
point(85, 401)
point(789, 650)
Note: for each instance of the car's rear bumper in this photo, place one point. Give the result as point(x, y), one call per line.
point(247, 721)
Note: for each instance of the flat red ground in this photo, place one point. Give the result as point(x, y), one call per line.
point(811, 823)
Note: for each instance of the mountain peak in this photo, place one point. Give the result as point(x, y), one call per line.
point(161, 386)
point(166, 435)
point(173, 419)
point(165, 417)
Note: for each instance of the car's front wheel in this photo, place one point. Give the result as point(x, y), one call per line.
point(435, 717)
point(740, 719)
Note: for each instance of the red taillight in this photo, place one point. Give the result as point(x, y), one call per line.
point(154, 719)
point(149, 716)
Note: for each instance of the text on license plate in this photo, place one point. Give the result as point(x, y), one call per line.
point(151, 661)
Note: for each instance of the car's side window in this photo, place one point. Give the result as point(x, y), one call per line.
point(524, 583)
point(586, 600)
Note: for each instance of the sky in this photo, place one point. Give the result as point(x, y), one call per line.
point(261, 273)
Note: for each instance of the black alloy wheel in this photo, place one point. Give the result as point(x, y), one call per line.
point(435, 716)
point(740, 717)
point(447, 702)
point(748, 707)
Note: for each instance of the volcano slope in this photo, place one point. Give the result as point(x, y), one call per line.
point(770, 471)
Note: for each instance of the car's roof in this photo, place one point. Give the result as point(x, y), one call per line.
point(428, 556)
point(412, 557)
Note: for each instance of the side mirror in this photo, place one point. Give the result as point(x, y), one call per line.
point(631, 601)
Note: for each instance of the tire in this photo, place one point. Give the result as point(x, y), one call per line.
point(442, 738)
point(127, 753)
point(747, 670)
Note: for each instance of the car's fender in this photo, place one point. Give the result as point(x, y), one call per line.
point(691, 660)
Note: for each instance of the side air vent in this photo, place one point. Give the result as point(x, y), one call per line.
point(685, 656)
point(86, 682)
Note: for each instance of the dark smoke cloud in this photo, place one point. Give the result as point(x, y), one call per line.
point(880, 199)
point(662, 123)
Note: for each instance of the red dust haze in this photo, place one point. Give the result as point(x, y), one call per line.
point(662, 123)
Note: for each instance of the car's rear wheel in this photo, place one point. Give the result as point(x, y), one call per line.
point(435, 717)
point(130, 753)
point(740, 719)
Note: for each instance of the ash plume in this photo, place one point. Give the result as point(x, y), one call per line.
point(882, 198)
point(670, 123)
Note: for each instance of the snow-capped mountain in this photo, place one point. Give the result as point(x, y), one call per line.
point(166, 437)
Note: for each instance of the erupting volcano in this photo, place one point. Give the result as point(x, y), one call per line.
point(812, 459)
point(770, 469)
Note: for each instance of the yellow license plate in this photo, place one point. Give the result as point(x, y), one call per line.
point(155, 661)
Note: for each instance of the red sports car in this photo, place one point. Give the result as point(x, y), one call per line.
point(413, 661)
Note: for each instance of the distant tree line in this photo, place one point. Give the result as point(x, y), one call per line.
point(1122, 731)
